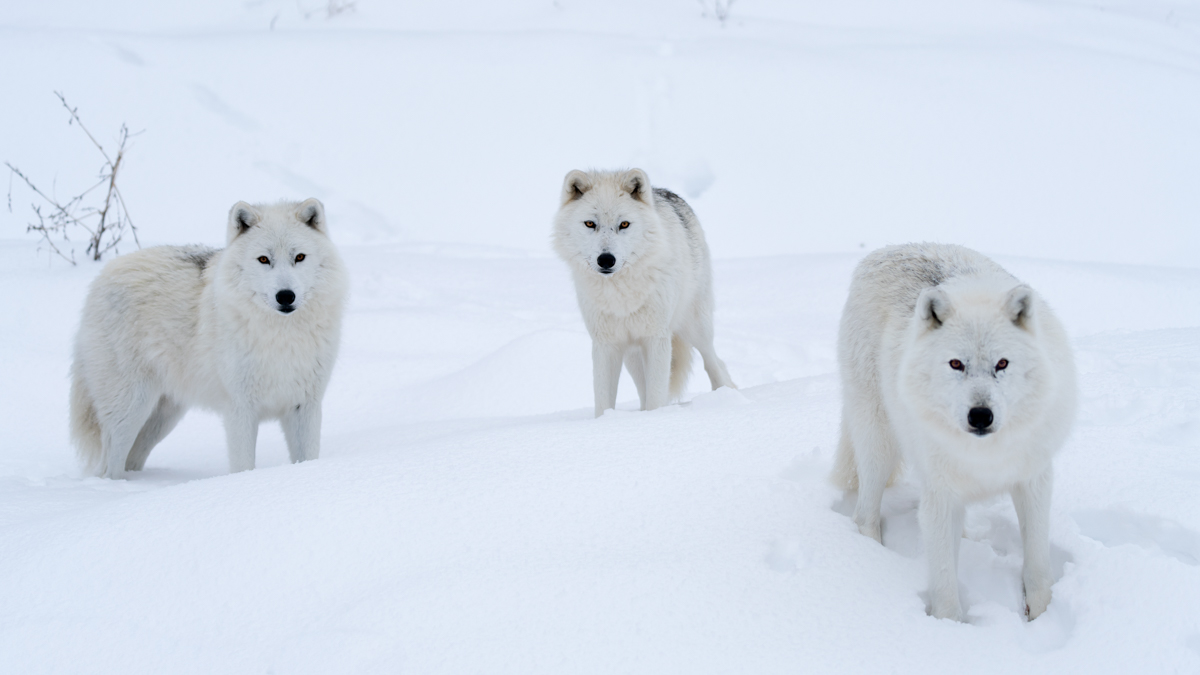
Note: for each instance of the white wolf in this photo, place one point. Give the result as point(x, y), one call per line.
point(951, 363)
point(644, 283)
point(250, 331)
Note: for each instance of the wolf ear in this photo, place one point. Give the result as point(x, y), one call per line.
point(933, 307)
point(575, 185)
point(311, 212)
point(1018, 306)
point(242, 217)
point(637, 184)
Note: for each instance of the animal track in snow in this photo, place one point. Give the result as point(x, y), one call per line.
point(786, 555)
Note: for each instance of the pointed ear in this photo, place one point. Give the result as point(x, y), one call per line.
point(933, 307)
point(1018, 306)
point(242, 217)
point(311, 212)
point(637, 184)
point(575, 185)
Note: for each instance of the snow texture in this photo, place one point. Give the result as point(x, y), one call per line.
point(468, 514)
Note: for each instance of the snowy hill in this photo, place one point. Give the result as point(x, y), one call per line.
point(467, 513)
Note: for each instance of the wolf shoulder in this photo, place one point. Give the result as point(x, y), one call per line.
point(163, 280)
point(161, 267)
point(676, 213)
point(673, 208)
point(896, 275)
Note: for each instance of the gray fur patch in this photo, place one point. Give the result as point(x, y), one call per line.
point(930, 272)
point(677, 204)
point(197, 255)
point(925, 264)
point(922, 266)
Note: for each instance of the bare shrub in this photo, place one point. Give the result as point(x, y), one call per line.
point(104, 221)
point(331, 9)
point(718, 9)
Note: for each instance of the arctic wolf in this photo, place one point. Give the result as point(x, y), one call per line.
point(644, 283)
point(950, 363)
point(250, 331)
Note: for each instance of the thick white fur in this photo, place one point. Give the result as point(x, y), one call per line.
point(912, 309)
point(657, 302)
point(172, 327)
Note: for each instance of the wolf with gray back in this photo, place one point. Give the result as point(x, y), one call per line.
point(644, 283)
point(250, 331)
point(955, 367)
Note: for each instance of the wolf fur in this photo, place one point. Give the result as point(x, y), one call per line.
point(932, 336)
point(171, 327)
point(644, 283)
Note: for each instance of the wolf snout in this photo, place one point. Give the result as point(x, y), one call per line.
point(979, 419)
point(285, 298)
point(606, 262)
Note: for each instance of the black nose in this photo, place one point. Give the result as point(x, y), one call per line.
point(285, 297)
point(606, 260)
point(979, 418)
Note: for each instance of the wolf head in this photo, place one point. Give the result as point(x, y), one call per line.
point(279, 251)
point(974, 362)
point(605, 220)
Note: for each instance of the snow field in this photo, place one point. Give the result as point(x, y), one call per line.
point(701, 537)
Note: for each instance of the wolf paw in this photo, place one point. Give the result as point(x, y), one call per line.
point(871, 530)
point(946, 610)
point(1036, 603)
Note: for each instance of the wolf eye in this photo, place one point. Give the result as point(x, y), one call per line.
point(1001, 364)
point(624, 224)
point(264, 260)
point(956, 364)
point(590, 224)
point(299, 257)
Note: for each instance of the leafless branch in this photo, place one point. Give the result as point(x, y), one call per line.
point(719, 8)
point(331, 9)
point(105, 224)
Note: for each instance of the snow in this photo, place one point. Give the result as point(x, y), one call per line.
point(467, 513)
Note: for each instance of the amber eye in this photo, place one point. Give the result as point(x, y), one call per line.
point(956, 364)
point(1001, 364)
point(264, 260)
point(624, 224)
point(590, 224)
point(299, 257)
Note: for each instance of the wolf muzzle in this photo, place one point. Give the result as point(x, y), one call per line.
point(286, 298)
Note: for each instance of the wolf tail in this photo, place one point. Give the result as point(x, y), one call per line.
point(85, 425)
point(845, 470)
point(681, 366)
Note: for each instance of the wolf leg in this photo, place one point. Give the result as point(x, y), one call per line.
point(874, 450)
point(941, 518)
point(657, 355)
point(1032, 501)
point(718, 374)
point(164, 418)
point(606, 372)
point(845, 471)
point(636, 366)
point(302, 429)
point(241, 434)
point(121, 427)
point(701, 337)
